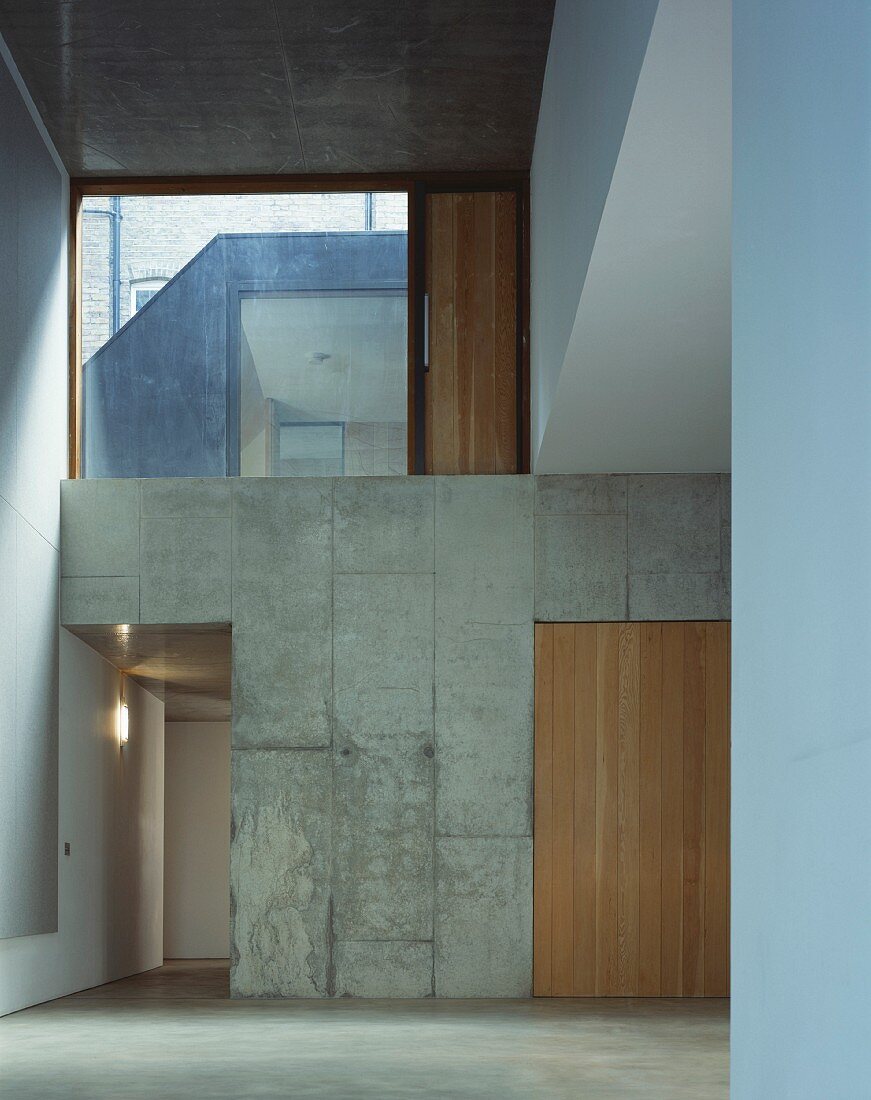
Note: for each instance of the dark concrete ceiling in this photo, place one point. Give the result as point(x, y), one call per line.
point(202, 87)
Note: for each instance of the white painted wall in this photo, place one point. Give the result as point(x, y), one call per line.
point(645, 384)
point(801, 572)
point(99, 911)
point(110, 918)
point(595, 56)
point(33, 342)
point(197, 865)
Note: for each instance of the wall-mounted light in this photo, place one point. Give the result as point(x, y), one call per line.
point(123, 718)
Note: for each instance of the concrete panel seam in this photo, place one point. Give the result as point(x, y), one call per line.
point(434, 748)
point(232, 551)
point(385, 939)
point(282, 748)
point(626, 610)
point(331, 932)
point(671, 573)
point(584, 512)
point(484, 836)
point(383, 572)
point(139, 531)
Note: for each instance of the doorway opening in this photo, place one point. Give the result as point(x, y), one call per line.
point(189, 668)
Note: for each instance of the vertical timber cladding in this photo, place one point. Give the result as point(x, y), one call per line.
point(471, 395)
point(631, 809)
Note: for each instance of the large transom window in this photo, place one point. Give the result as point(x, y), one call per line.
point(244, 334)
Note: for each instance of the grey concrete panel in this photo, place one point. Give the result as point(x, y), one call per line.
point(282, 661)
point(726, 548)
point(384, 525)
point(726, 499)
point(100, 528)
point(185, 571)
point(383, 653)
point(282, 612)
point(674, 523)
point(677, 596)
point(484, 530)
point(383, 699)
point(483, 929)
point(279, 873)
point(383, 833)
point(573, 494)
point(99, 600)
point(282, 527)
point(186, 497)
point(30, 862)
point(484, 723)
point(385, 969)
point(484, 638)
point(580, 568)
point(726, 523)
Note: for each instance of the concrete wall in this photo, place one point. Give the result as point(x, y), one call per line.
point(110, 921)
point(801, 770)
point(595, 56)
point(382, 689)
point(33, 320)
point(196, 895)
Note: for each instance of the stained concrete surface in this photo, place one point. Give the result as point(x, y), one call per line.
point(171, 1033)
point(280, 847)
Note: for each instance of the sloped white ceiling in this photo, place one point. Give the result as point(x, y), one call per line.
point(645, 385)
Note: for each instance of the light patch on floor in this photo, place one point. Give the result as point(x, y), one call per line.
point(172, 1033)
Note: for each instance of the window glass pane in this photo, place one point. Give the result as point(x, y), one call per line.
point(336, 358)
point(252, 334)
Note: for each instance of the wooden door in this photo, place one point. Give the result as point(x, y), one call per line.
point(471, 384)
point(631, 894)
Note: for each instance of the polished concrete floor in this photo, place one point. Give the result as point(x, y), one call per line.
point(172, 1033)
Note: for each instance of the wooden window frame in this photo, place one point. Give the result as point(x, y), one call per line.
point(415, 186)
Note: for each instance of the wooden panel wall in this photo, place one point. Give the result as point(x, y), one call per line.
point(471, 387)
point(631, 810)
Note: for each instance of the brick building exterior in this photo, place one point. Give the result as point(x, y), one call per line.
point(160, 234)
